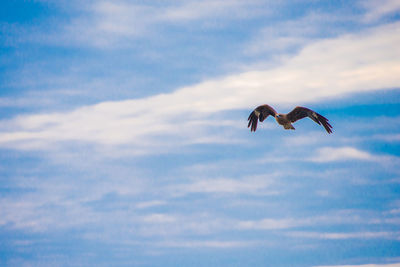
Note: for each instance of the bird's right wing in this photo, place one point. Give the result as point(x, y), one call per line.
point(259, 113)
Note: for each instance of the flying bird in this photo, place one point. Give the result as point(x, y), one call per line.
point(286, 120)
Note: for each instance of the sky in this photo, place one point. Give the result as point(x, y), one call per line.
point(124, 139)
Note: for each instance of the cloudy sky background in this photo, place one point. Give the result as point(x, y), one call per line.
point(124, 139)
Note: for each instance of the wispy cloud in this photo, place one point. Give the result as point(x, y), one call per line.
point(392, 138)
point(206, 244)
point(351, 235)
point(364, 265)
point(269, 224)
point(247, 185)
point(107, 24)
point(343, 217)
point(331, 154)
point(359, 62)
point(150, 204)
point(328, 154)
point(378, 9)
point(194, 10)
point(290, 36)
point(115, 149)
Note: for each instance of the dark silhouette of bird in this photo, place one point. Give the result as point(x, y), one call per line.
point(286, 120)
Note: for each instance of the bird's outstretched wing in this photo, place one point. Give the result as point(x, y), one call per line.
point(259, 113)
point(300, 112)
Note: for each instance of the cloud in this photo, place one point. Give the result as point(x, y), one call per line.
point(106, 24)
point(388, 137)
point(328, 154)
point(376, 9)
point(355, 63)
point(194, 10)
point(206, 244)
point(159, 218)
point(150, 204)
point(364, 265)
point(339, 217)
point(248, 185)
point(268, 224)
point(289, 36)
point(352, 235)
point(332, 154)
point(41, 217)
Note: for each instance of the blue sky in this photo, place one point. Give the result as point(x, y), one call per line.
point(124, 139)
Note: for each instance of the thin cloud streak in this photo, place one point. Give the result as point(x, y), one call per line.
point(329, 154)
point(259, 185)
point(378, 9)
point(363, 265)
point(352, 235)
point(206, 244)
point(340, 217)
point(333, 154)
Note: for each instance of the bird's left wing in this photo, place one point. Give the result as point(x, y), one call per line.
point(301, 112)
point(259, 113)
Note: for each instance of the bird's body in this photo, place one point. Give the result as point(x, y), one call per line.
point(262, 112)
point(283, 120)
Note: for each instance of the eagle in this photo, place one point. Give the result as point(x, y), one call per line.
point(286, 120)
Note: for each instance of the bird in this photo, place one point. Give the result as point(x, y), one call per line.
point(286, 120)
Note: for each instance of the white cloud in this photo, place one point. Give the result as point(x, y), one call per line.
point(291, 35)
point(206, 244)
point(193, 10)
point(328, 154)
point(150, 204)
point(248, 185)
point(334, 218)
point(163, 224)
point(351, 235)
point(355, 63)
point(6, 102)
point(159, 218)
point(332, 154)
point(388, 137)
point(377, 9)
point(269, 224)
point(364, 265)
point(109, 23)
point(105, 23)
point(40, 217)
